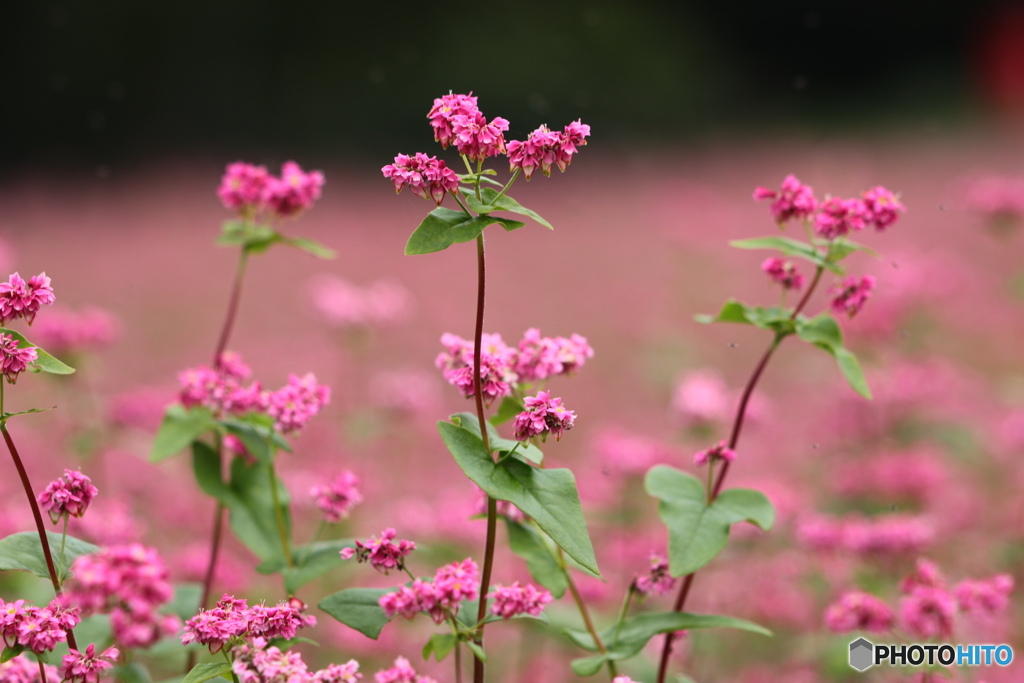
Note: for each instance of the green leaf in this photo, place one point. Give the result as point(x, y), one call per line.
point(774, 318)
point(45, 362)
point(256, 239)
point(10, 653)
point(824, 332)
point(837, 251)
point(261, 442)
point(509, 408)
point(180, 427)
point(444, 227)
point(505, 203)
point(789, 247)
point(313, 562)
point(525, 451)
point(24, 552)
point(133, 672)
point(697, 531)
point(206, 466)
point(357, 608)
point(440, 644)
point(548, 496)
point(204, 672)
point(5, 416)
point(185, 603)
point(309, 246)
point(477, 651)
point(528, 544)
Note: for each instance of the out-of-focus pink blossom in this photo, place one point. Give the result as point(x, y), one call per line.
point(999, 198)
point(87, 667)
point(63, 331)
point(884, 535)
point(657, 581)
point(838, 217)
point(381, 553)
point(404, 391)
point(701, 396)
point(511, 601)
point(719, 451)
point(401, 672)
point(14, 360)
point(293, 405)
point(21, 299)
point(926, 574)
point(984, 596)
point(426, 176)
point(254, 663)
point(792, 200)
point(70, 495)
point(545, 148)
point(140, 408)
point(337, 499)
point(242, 187)
point(338, 673)
point(915, 474)
point(883, 207)
point(341, 304)
point(628, 452)
point(782, 272)
point(294, 192)
point(858, 611)
point(852, 294)
point(543, 415)
point(928, 613)
point(22, 670)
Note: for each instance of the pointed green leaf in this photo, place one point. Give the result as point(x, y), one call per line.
point(789, 247)
point(204, 672)
point(10, 653)
point(775, 318)
point(528, 544)
point(498, 443)
point(185, 603)
point(440, 644)
point(45, 362)
point(548, 496)
point(30, 411)
point(508, 409)
point(309, 246)
point(478, 651)
point(491, 202)
point(313, 562)
point(444, 227)
point(24, 552)
point(824, 332)
point(180, 427)
point(357, 608)
point(697, 531)
point(132, 672)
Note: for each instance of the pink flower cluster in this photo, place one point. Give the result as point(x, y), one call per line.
point(457, 120)
point(14, 360)
point(884, 535)
point(859, 611)
point(233, 621)
point(511, 601)
point(87, 667)
point(544, 148)
point(713, 454)
point(344, 305)
point(783, 273)
point(701, 397)
point(22, 670)
point(535, 359)
point(543, 415)
point(401, 672)
point(852, 294)
point(337, 499)
point(381, 553)
point(69, 496)
point(20, 299)
point(998, 197)
point(657, 581)
point(251, 189)
point(130, 583)
point(221, 391)
point(38, 629)
point(835, 217)
point(257, 663)
point(63, 331)
point(425, 176)
point(439, 598)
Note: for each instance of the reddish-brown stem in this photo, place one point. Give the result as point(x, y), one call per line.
point(38, 516)
point(42, 672)
point(232, 312)
point(584, 612)
point(492, 504)
point(734, 437)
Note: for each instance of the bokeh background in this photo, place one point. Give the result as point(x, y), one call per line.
point(120, 117)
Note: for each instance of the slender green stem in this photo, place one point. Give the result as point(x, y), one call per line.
point(282, 528)
point(711, 479)
point(515, 174)
point(511, 452)
point(234, 676)
point(316, 537)
point(37, 515)
point(458, 201)
point(63, 543)
point(623, 611)
point(588, 623)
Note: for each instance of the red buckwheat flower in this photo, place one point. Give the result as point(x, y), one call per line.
point(381, 553)
point(427, 177)
point(543, 415)
point(70, 496)
point(857, 611)
point(852, 294)
point(719, 451)
point(87, 667)
point(20, 299)
point(14, 361)
point(783, 273)
point(792, 200)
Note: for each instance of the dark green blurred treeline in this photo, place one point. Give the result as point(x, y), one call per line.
point(126, 81)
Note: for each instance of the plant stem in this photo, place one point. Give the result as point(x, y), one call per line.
point(63, 542)
point(492, 504)
point(584, 612)
point(734, 438)
point(42, 672)
point(623, 611)
point(515, 174)
point(37, 515)
point(232, 312)
point(458, 662)
point(282, 530)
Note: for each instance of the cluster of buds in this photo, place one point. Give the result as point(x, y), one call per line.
point(69, 496)
point(543, 416)
point(337, 499)
point(382, 553)
point(251, 190)
point(713, 454)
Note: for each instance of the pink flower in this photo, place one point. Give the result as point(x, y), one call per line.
point(783, 273)
point(852, 294)
point(293, 405)
point(839, 217)
point(496, 366)
point(926, 574)
point(719, 451)
point(984, 596)
point(623, 679)
point(444, 110)
point(88, 667)
point(427, 177)
point(928, 613)
point(511, 601)
point(38, 629)
point(476, 138)
point(294, 192)
point(543, 415)
point(401, 672)
point(256, 664)
point(858, 611)
point(338, 673)
point(337, 499)
point(14, 361)
point(793, 200)
point(381, 552)
point(545, 148)
point(342, 304)
point(22, 670)
point(701, 397)
point(242, 187)
point(20, 299)
point(62, 331)
point(456, 582)
point(410, 601)
point(70, 495)
point(883, 207)
point(232, 620)
point(657, 581)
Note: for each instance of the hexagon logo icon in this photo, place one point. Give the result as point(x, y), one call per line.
point(861, 654)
